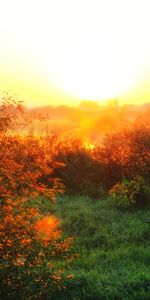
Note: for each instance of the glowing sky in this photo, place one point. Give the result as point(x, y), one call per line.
point(62, 51)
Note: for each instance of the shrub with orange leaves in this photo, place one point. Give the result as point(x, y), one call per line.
point(35, 258)
point(34, 255)
point(124, 154)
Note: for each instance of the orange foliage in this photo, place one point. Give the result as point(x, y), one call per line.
point(27, 238)
point(22, 162)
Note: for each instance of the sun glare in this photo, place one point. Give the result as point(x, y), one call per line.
point(61, 51)
point(90, 73)
point(88, 146)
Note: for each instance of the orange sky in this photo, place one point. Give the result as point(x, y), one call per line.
point(64, 51)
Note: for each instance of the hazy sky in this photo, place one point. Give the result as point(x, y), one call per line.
point(63, 51)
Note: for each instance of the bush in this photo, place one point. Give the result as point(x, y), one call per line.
point(131, 193)
point(80, 174)
point(34, 255)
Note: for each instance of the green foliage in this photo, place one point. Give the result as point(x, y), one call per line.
point(131, 193)
point(114, 250)
point(81, 174)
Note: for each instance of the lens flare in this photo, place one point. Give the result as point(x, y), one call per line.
point(48, 228)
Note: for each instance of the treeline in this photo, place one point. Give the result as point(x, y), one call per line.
point(88, 169)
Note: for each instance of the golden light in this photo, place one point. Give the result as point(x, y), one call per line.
point(88, 146)
point(48, 228)
point(55, 52)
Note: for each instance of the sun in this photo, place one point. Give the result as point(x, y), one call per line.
point(93, 69)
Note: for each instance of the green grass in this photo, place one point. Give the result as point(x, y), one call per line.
point(114, 247)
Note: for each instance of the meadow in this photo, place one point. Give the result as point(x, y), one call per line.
point(113, 247)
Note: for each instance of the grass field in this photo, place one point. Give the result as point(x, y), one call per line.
point(114, 248)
